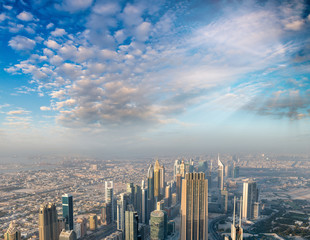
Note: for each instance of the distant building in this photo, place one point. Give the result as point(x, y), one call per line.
point(224, 200)
point(220, 175)
point(131, 225)
point(179, 186)
point(12, 233)
point(194, 207)
point(162, 181)
point(83, 224)
point(236, 171)
point(109, 198)
point(150, 190)
point(67, 235)
point(48, 222)
point(168, 195)
point(106, 214)
point(93, 222)
point(158, 225)
point(144, 206)
point(67, 210)
point(237, 230)
point(250, 197)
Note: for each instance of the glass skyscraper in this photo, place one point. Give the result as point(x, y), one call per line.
point(67, 210)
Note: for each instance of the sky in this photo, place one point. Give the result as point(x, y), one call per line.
point(123, 78)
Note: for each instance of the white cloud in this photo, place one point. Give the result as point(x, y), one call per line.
point(295, 25)
point(50, 25)
point(2, 17)
point(25, 16)
point(58, 32)
point(74, 5)
point(52, 44)
point(22, 43)
point(18, 112)
point(142, 31)
point(44, 108)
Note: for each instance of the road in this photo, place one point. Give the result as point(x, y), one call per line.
point(213, 234)
point(101, 233)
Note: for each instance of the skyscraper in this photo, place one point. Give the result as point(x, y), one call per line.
point(157, 181)
point(179, 186)
point(250, 197)
point(220, 177)
point(106, 213)
point(162, 180)
point(150, 189)
point(144, 206)
point(131, 225)
point(109, 197)
point(138, 201)
point(194, 207)
point(48, 222)
point(176, 169)
point(12, 233)
point(158, 225)
point(236, 230)
point(67, 210)
point(93, 222)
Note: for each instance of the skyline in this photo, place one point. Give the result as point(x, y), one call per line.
point(158, 77)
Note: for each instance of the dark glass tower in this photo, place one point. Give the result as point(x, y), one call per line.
point(67, 210)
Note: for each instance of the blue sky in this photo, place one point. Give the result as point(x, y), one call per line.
point(154, 77)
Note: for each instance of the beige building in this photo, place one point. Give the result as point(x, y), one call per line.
point(12, 233)
point(48, 222)
point(194, 207)
point(67, 235)
point(157, 180)
point(93, 222)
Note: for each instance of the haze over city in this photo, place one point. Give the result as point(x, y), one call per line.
point(123, 78)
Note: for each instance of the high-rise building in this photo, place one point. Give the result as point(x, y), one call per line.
point(131, 190)
point(194, 207)
point(131, 225)
point(224, 200)
point(250, 197)
point(144, 205)
point(106, 213)
point(220, 175)
point(138, 201)
point(67, 235)
point(157, 181)
point(48, 222)
point(109, 199)
point(121, 208)
point(168, 195)
point(236, 230)
point(158, 225)
point(93, 222)
point(150, 189)
point(179, 186)
point(67, 210)
point(236, 171)
point(182, 169)
point(162, 180)
point(61, 224)
point(176, 169)
point(83, 223)
point(12, 233)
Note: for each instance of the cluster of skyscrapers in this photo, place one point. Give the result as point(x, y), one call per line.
point(147, 211)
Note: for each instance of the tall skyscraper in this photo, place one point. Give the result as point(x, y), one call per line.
point(144, 206)
point(236, 230)
point(12, 233)
point(220, 176)
point(122, 204)
point(109, 199)
point(131, 190)
point(179, 186)
point(162, 180)
point(168, 195)
point(93, 222)
point(250, 197)
point(158, 225)
point(138, 201)
point(67, 210)
point(150, 189)
point(194, 207)
point(106, 213)
point(131, 225)
point(176, 169)
point(157, 181)
point(48, 222)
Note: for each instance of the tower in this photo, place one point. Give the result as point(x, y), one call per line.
point(131, 225)
point(109, 199)
point(157, 181)
point(220, 178)
point(158, 225)
point(250, 197)
point(176, 169)
point(162, 180)
point(144, 205)
point(12, 233)
point(194, 207)
point(48, 222)
point(67, 210)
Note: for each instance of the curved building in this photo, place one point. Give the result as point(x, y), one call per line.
point(158, 225)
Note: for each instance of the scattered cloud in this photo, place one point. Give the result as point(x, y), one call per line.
point(21, 43)
point(45, 108)
point(74, 5)
point(58, 32)
point(25, 16)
